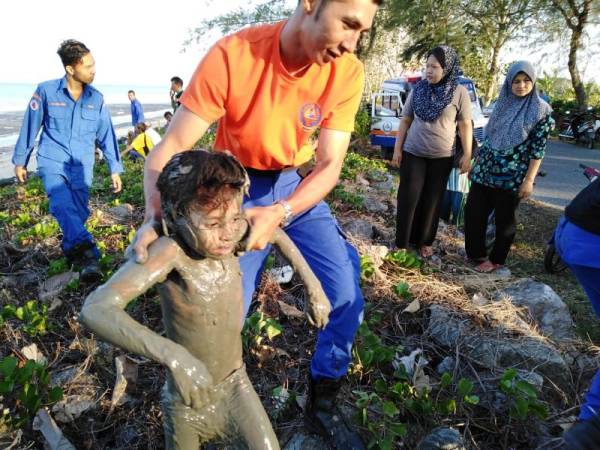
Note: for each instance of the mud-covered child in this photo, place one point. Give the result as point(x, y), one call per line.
point(207, 394)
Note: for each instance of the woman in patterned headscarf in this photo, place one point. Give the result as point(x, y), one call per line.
point(425, 145)
point(508, 162)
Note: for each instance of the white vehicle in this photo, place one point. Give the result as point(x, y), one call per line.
point(387, 105)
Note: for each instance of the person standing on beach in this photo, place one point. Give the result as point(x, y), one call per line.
point(74, 119)
point(270, 87)
point(137, 112)
point(176, 92)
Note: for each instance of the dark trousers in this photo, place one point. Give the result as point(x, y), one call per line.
point(422, 184)
point(482, 200)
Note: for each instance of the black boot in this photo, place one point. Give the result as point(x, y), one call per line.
point(323, 417)
point(83, 257)
point(584, 435)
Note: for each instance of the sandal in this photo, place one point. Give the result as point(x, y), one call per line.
point(426, 251)
point(487, 267)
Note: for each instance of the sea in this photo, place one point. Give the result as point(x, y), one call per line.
point(14, 98)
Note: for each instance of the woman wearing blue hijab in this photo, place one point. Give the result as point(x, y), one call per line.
point(425, 146)
point(508, 162)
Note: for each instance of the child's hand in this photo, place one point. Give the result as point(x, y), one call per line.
point(318, 308)
point(191, 377)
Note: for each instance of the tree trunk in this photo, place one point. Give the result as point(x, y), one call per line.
point(575, 78)
point(491, 85)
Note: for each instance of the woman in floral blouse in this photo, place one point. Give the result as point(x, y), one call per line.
point(508, 162)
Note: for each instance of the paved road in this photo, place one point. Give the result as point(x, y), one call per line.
point(564, 178)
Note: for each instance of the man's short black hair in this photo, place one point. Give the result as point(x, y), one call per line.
point(167, 114)
point(177, 81)
point(199, 179)
point(71, 52)
point(324, 3)
point(130, 91)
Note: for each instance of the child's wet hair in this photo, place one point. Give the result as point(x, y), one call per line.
point(199, 179)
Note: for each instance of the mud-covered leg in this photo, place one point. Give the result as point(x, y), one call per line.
point(250, 418)
point(180, 432)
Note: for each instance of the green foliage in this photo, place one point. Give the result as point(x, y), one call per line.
point(21, 220)
point(24, 388)
point(362, 122)
point(257, 327)
point(369, 351)
point(355, 164)
point(402, 290)
point(57, 266)
point(402, 258)
point(281, 399)
point(522, 396)
point(367, 268)
point(34, 187)
point(39, 231)
point(353, 200)
point(34, 317)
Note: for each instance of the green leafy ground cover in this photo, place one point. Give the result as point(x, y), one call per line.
point(392, 407)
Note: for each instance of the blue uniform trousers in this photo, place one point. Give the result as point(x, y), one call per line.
point(68, 197)
point(579, 249)
point(333, 260)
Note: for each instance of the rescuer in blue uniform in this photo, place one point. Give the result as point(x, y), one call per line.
point(74, 120)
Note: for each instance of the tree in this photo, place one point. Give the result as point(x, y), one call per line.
point(477, 29)
point(576, 14)
point(268, 11)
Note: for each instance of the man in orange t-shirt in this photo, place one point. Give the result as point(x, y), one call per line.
point(271, 87)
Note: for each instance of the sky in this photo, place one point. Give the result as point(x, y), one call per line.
point(140, 43)
point(133, 42)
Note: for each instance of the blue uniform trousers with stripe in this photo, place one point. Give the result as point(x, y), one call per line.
point(333, 260)
point(68, 195)
point(580, 250)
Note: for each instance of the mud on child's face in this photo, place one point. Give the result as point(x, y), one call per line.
point(219, 229)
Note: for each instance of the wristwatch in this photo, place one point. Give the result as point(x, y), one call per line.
point(288, 214)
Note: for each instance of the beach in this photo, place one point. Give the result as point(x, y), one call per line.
point(10, 125)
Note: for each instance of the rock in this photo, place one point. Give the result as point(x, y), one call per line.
point(544, 305)
point(531, 377)
point(358, 228)
point(127, 372)
point(282, 275)
point(374, 205)
point(362, 181)
point(72, 407)
point(376, 253)
point(447, 365)
point(122, 213)
point(503, 273)
point(301, 441)
point(494, 350)
point(479, 299)
point(387, 234)
point(56, 284)
point(389, 185)
point(442, 438)
point(55, 440)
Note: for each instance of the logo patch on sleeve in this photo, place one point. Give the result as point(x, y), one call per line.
point(34, 105)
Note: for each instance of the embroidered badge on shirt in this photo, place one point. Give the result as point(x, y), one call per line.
point(34, 105)
point(310, 116)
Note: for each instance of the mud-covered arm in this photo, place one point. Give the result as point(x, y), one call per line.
point(318, 306)
point(103, 312)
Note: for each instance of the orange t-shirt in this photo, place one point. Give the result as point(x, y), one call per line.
point(267, 115)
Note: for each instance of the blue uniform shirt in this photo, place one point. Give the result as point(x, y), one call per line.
point(137, 113)
point(70, 130)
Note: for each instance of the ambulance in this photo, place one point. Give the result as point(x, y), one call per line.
point(387, 105)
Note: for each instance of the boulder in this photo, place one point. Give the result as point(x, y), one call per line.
point(545, 306)
point(496, 349)
point(442, 438)
point(374, 205)
point(358, 228)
